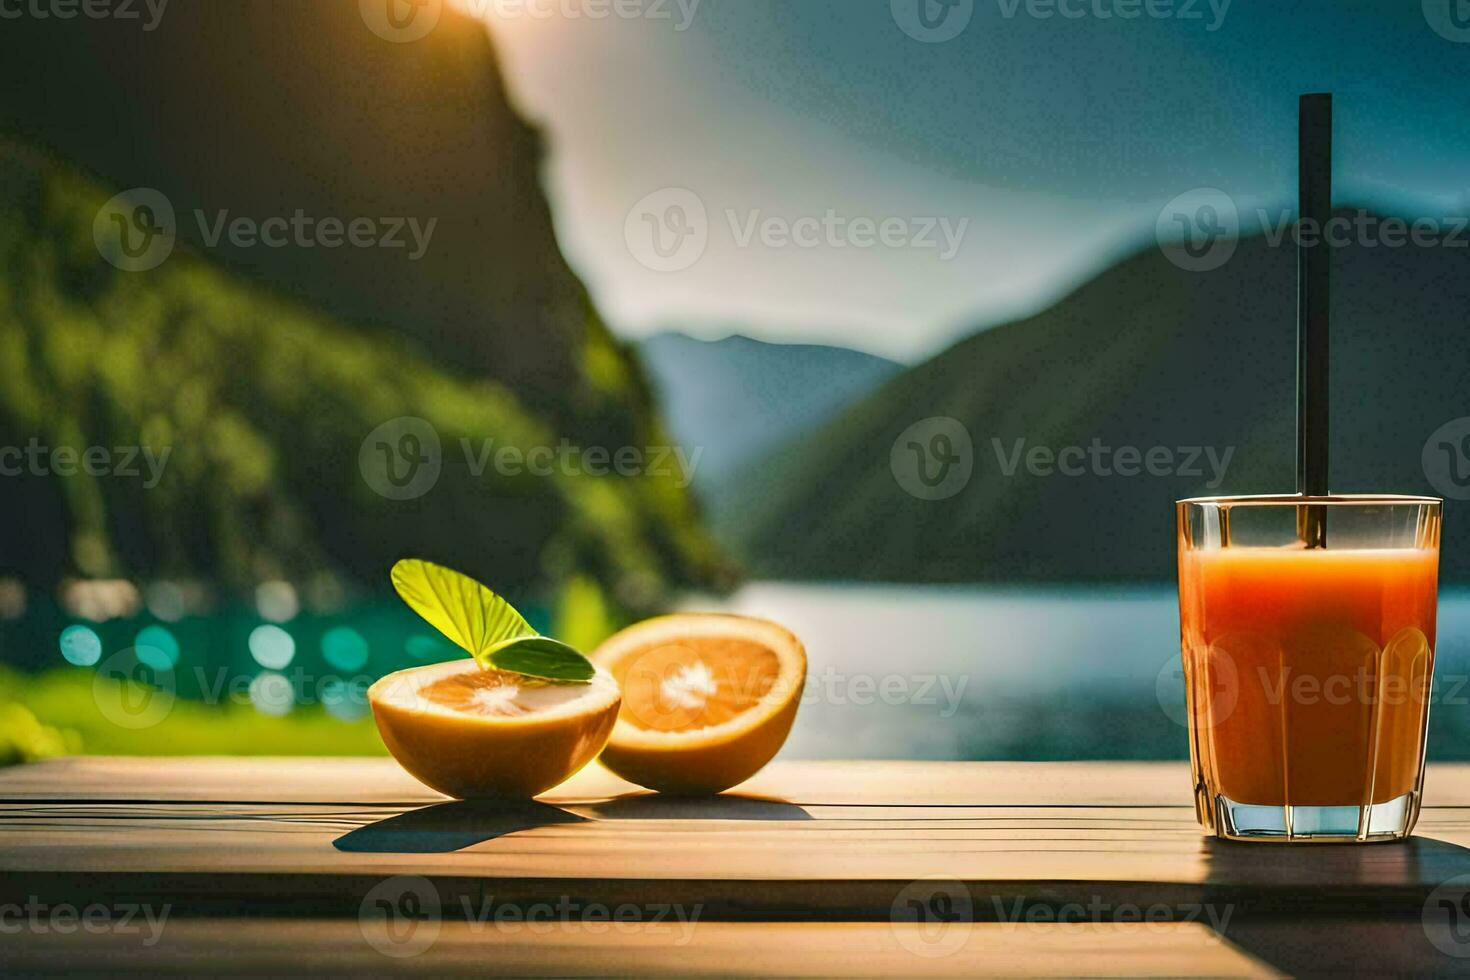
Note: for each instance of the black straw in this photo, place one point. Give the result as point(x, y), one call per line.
point(1314, 279)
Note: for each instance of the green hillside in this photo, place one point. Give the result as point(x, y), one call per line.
point(263, 405)
point(1144, 355)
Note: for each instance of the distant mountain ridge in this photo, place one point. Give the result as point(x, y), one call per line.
point(1144, 355)
point(737, 399)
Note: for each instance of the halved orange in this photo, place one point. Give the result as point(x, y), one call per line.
point(707, 699)
point(470, 733)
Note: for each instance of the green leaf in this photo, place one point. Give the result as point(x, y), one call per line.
point(540, 656)
point(459, 607)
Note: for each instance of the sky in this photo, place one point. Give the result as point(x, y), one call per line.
point(836, 171)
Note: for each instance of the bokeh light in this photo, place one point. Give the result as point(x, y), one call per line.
point(156, 647)
point(272, 647)
point(272, 694)
point(428, 649)
point(343, 700)
point(345, 649)
point(81, 646)
point(277, 601)
point(165, 600)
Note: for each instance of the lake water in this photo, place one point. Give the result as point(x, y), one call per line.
point(972, 672)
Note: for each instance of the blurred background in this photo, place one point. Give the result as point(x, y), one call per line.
point(902, 322)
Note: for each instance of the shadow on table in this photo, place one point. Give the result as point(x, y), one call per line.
point(1385, 908)
point(456, 825)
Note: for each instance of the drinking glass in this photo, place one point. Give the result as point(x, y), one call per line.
point(1308, 669)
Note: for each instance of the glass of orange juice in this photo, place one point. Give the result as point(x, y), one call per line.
point(1308, 668)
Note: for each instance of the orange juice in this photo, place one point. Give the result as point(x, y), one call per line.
point(1308, 671)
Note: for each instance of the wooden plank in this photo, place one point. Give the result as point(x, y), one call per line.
point(281, 780)
point(318, 835)
point(708, 949)
point(382, 781)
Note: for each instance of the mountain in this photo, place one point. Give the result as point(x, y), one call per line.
point(236, 434)
point(266, 364)
point(274, 107)
point(737, 399)
point(1144, 355)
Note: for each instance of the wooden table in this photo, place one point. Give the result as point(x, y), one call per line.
point(842, 868)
